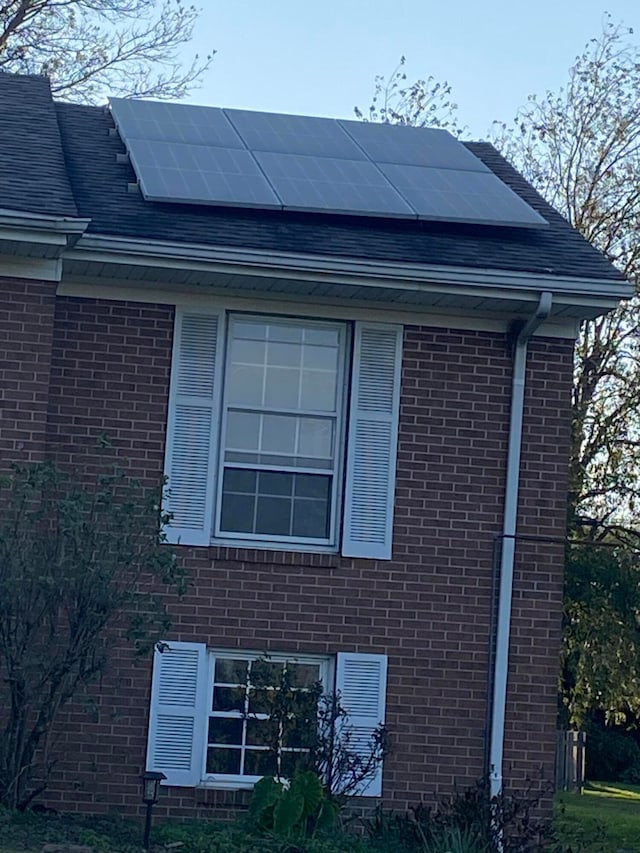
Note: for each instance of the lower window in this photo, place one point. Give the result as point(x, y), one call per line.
point(262, 714)
point(224, 719)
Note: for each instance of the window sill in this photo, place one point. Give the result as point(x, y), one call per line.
point(265, 545)
point(219, 785)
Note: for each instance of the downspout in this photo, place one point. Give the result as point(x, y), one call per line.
point(519, 340)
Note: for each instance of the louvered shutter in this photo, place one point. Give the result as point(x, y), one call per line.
point(192, 427)
point(372, 441)
point(361, 684)
point(177, 718)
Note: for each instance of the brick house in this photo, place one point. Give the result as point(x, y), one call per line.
point(357, 413)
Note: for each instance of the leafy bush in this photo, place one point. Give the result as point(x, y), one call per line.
point(297, 810)
point(468, 821)
point(612, 755)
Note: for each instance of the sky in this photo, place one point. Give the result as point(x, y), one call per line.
point(321, 58)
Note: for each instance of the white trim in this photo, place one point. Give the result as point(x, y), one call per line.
point(39, 269)
point(194, 298)
point(21, 218)
point(335, 472)
point(256, 262)
point(237, 782)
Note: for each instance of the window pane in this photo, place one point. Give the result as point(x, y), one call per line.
point(243, 430)
point(264, 673)
point(261, 700)
point(225, 731)
point(281, 388)
point(327, 337)
point(237, 513)
point(273, 483)
point(304, 674)
point(223, 760)
point(321, 358)
point(283, 332)
point(251, 330)
point(284, 355)
point(311, 519)
point(247, 352)
point(278, 434)
point(231, 671)
point(239, 480)
point(262, 732)
point(316, 437)
point(318, 391)
point(259, 763)
point(244, 385)
point(312, 486)
point(273, 516)
point(228, 698)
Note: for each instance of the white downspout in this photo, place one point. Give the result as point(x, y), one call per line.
point(501, 665)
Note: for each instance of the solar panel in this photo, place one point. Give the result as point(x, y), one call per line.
point(328, 184)
point(412, 146)
point(206, 155)
point(287, 134)
point(453, 195)
point(173, 123)
point(171, 171)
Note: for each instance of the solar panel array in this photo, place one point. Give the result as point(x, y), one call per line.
point(207, 155)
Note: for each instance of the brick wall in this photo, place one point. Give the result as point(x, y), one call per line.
point(26, 308)
point(428, 608)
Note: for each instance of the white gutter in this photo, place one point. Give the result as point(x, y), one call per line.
point(501, 665)
point(112, 249)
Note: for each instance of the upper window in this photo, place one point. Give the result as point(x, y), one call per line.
point(282, 432)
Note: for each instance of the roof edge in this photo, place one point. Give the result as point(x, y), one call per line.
point(340, 268)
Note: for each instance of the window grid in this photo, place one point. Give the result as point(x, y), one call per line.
point(246, 715)
point(306, 330)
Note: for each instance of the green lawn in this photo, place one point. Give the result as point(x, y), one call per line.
point(605, 818)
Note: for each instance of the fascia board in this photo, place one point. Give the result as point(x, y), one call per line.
point(107, 249)
point(35, 229)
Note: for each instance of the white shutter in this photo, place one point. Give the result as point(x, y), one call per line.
point(192, 428)
point(177, 718)
point(372, 441)
point(361, 684)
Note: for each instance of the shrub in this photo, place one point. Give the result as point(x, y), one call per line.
point(611, 755)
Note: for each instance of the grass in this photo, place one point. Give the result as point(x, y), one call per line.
point(605, 819)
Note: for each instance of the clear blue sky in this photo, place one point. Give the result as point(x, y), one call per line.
point(319, 57)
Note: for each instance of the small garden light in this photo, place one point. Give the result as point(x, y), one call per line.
point(150, 789)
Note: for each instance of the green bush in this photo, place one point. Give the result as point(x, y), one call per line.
point(467, 821)
point(612, 755)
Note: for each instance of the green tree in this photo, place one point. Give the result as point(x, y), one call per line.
point(76, 561)
point(580, 147)
point(93, 48)
point(601, 652)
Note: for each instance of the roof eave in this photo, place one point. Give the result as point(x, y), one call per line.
point(596, 295)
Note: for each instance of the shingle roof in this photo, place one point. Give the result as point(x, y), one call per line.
point(33, 177)
point(100, 188)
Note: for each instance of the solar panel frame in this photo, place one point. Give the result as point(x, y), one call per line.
point(313, 184)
